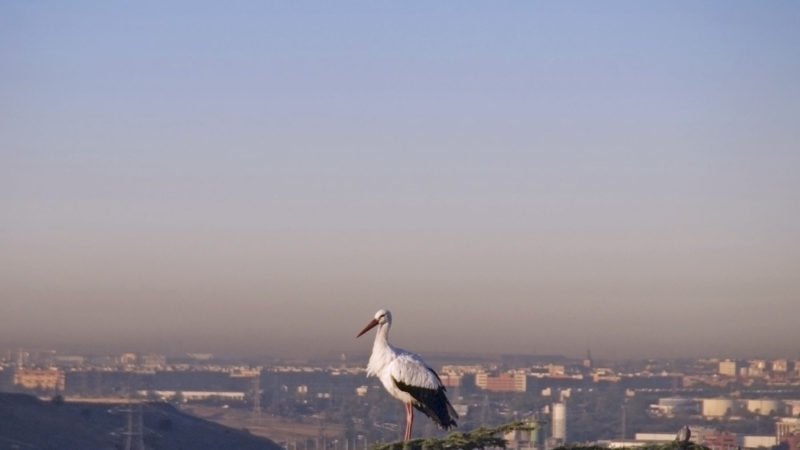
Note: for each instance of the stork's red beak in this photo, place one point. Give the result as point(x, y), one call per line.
point(368, 327)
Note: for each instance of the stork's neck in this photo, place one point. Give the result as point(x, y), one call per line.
point(382, 352)
point(381, 337)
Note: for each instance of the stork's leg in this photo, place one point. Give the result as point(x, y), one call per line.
point(409, 421)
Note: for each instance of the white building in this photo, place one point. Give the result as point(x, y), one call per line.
point(560, 421)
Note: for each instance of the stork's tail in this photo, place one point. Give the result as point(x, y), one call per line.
point(438, 408)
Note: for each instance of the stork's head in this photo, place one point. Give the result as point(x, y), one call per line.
point(382, 317)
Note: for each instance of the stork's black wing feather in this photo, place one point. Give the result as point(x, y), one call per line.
point(432, 402)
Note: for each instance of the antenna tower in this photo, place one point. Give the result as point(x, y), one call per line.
point(256, 393)
point(134, 429)
point(624, 418)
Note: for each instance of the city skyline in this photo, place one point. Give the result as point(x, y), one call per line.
point(751, 403)
point(537, 178)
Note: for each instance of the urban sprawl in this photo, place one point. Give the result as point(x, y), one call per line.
point(726, 403)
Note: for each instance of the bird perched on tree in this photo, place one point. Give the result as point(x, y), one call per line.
point(684, 436)
point(407, 378)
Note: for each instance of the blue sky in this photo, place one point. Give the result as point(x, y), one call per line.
point(261, 176)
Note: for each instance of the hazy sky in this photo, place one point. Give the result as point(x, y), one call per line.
point(537, 177)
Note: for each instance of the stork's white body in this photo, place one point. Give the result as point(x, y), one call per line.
point(407, 378)
point(390, 363)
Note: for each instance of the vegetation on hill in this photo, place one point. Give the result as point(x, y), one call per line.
point(27, 422)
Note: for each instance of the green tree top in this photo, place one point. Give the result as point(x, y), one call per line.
point(476, 439)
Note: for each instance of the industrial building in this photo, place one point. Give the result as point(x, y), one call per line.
point(188, 396)
point(718, 407)
point(764, 406)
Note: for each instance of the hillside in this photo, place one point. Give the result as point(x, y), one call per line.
point(29, 423)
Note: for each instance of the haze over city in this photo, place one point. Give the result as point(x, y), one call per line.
point(520, 178)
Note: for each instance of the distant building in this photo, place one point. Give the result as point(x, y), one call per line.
point(188, 396)
point(522, 439)
point(699, 433)
point(780, 365)
point(711, 438)
point(728, 368)
point(792, 440)
point(764, 406)
point(652, 438)
point(462, 369)
point(127, 359)
point(23, 357)
point(669, 406)
point(792, 407)
point(461, 409)
point(245, 372)
point(450, 379)
point(711, 380)
point(786, 427)
point(560, 421)
point(40, 379)
point(152, 361)
point(605, 374)
point(556, 370)
point(588, 362)
point(721, 440)
point(504, 382)
point(201, 356)
point(759, 441)
point(756, 368)
point(69, 360)
point(718, 407)
point(759, 364)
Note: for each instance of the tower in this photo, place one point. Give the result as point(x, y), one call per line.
point(134, 428)
point(588, 362)
point(560, 421)
point(256, 393)
point(624, 418)
point(484, 409)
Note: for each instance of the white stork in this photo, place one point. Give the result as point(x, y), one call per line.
point(407, 378)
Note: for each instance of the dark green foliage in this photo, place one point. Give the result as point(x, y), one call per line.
point(677, 445)
point(487, 437)
point(476, 439)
